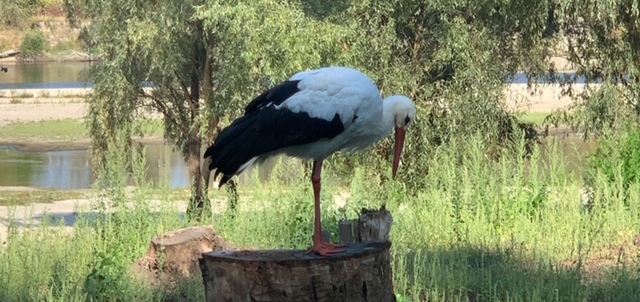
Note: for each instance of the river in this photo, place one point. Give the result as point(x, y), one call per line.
point(66, 75)
point(50, 75)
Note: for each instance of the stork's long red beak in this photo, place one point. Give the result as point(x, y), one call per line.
point(397, 149)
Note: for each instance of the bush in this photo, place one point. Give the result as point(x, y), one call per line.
point(616, 160)
point(33, 44)
point(14, 13)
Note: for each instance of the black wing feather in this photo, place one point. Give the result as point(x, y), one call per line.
point(275, 95)
point(264, 129)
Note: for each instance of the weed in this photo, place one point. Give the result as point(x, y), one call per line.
point(24, 95)
point(33, 43)
point(45, 93)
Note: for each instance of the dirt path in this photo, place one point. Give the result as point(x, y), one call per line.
point(62, 214)
point(33, 112)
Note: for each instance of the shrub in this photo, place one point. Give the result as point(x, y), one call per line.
point(616, 160)
point(33, 44)
point(13, 13)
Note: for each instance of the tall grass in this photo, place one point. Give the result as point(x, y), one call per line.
point(512, 229)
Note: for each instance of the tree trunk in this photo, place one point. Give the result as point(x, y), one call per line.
point(362, 273)
point(198, 205)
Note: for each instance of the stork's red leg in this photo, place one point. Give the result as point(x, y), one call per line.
point(320, 247)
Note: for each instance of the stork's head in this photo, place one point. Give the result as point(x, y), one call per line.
point(403, 111)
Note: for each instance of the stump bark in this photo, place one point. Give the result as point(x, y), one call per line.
point(361, 273)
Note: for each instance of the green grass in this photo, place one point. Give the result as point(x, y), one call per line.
point(14, 198)
point(61, 130)
point(479, 231)
point(534, 117)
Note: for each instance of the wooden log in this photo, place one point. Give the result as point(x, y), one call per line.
point(345, 231)
point(374, 225)
point(361, 273)
point(9, 53)
point(371, 226)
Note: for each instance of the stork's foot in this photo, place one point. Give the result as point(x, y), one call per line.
point(326, 249)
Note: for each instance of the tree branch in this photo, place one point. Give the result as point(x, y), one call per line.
point(185, 90)
point(157, 104)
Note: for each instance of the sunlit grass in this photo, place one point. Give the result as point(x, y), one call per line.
point(478, 231)
point(534, 117)
point(62, 130)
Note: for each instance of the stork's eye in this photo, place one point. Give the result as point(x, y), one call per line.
point(407, 120)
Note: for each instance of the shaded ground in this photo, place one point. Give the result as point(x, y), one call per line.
point(486, 274)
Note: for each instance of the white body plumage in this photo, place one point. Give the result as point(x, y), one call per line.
point(315, 114)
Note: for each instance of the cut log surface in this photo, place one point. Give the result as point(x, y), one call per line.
point(361, 273)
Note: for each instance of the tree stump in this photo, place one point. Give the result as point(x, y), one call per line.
point(361, 273)
point(175, 254)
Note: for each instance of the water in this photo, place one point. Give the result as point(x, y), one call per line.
point(50, 75)
point(66, 75)
point(70, 169)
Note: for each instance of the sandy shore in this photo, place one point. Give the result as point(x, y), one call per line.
point(33, 112)
point(545, 98)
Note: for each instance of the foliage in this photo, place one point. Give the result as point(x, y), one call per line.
point(15, 12)
point(203, 61)
point(452, 59)
point(617, 161)
point(33, 44)
point(601, 38)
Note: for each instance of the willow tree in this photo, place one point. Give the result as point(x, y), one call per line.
point(452, 57)
point(191, 62)
point(602, 41)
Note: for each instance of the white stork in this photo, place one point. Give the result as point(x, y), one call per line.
point(310, 116)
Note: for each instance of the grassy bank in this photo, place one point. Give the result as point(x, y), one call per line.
point(12, 197)
point(534, 117)
point(479, 231)
point(53, 130)
point(67, 130)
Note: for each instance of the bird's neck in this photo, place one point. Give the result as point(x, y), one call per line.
point(387, 117)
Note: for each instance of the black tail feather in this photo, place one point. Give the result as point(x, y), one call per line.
point(234, 146)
